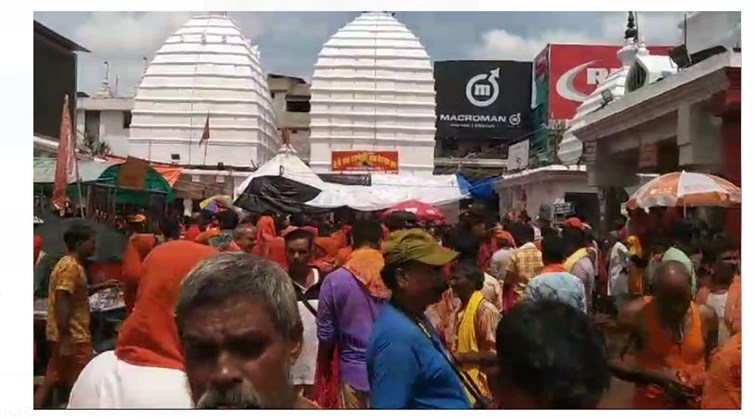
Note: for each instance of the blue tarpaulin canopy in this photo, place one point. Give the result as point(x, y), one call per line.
point(483, 189)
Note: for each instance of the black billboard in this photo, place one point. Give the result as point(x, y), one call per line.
point(483, 99)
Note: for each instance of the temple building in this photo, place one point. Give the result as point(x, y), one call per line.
point(373, 100)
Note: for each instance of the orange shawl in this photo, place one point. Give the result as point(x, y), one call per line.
point(139, 245)
point(723, 380)
point(149, 337)
point(343, 256)
point(365, 264)
point(733, 310)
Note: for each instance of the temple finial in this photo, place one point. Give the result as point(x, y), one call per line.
point(631, 32)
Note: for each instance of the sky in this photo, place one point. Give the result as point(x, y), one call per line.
point(290, 41)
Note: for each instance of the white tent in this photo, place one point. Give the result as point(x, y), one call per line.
point(389, 190)
point(287, 164)
point(385, 192)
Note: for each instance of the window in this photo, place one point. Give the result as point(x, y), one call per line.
point(297, 106)
point(126, 119)
point(175, 156)
point(92, 125)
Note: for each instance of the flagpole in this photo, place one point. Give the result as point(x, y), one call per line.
point(81, 197)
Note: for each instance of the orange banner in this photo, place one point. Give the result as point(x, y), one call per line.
point(364, 161)
point(133, 173)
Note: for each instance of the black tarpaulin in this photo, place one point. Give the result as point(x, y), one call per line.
point(277, 194)
point(110, 244)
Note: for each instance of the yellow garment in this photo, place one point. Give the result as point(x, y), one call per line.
point(69, 276)
point(574, 258)
point(635, 248)
point(467, 340)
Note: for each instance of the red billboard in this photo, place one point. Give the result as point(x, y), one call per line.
point(574, 71)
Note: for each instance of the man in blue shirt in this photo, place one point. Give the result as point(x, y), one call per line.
point(407, 366)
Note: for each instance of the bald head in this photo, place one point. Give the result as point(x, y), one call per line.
point(673, 287)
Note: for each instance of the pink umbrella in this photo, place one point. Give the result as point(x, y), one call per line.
point(425, 212)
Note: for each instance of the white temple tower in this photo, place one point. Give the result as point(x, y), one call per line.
point(207, 67)
point(373, 90)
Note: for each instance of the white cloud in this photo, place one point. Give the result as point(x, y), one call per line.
point(655, 29)
point(124, 38)
point(128, 34)
point(499, 44)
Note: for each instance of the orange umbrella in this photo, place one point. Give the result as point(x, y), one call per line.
point(686, 189)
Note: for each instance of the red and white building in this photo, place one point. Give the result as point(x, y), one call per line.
point(570, 82)
point(688, 120)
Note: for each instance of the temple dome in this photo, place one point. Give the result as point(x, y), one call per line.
point(207, 67)
point(373, 90)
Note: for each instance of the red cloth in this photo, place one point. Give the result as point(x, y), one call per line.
point(486, 253)
point(65, 369)
point(574, 222)
point(149, 336)
point(327, 380)
point(265, 229)
point(137, 248)
point(100, 272)
point(37, 247)
point(278, 252)
point(192, 232)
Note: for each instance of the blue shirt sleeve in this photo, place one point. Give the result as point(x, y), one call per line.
point(326, 322)
point(392, 376)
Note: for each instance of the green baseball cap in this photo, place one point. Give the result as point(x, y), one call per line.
point(416, 245)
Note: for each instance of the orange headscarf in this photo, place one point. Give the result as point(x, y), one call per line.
point(329, 249)
point(506, 237)
point(138, 247)
point(149, 337)
point(365, 264)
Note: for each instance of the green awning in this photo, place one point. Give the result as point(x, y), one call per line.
point(89, 170)
point(154, 182)
point(106, 174)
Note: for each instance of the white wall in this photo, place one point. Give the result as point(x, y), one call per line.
point(547, 192)
point(111, 130)
point(113, 133)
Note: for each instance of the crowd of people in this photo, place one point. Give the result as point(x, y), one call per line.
point(390, 312)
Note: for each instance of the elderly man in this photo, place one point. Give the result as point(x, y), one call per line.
point(239, 325)
point(245, 237)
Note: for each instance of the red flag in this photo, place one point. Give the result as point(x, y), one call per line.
point(66, 166)
point(206, 132)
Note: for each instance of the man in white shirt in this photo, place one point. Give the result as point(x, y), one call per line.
point(618, 278)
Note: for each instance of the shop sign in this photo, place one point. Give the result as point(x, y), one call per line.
point(364, 161)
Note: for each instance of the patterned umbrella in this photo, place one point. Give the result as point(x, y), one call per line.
point(216, 203)
point(424, 212)
point(686, 189)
